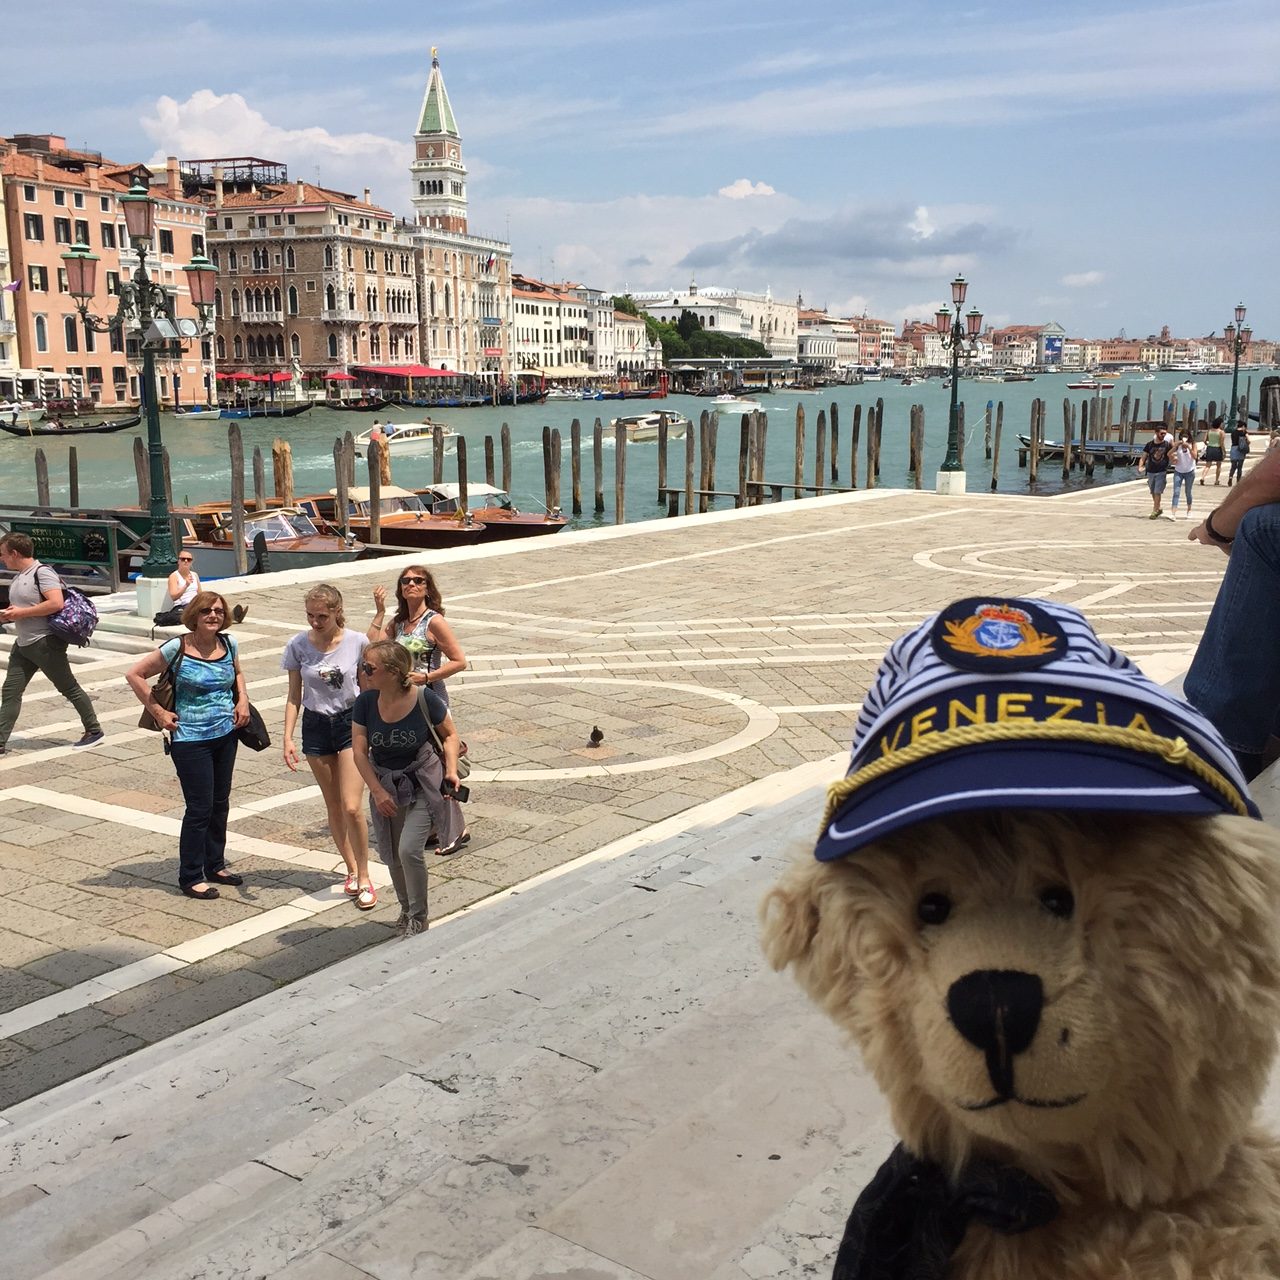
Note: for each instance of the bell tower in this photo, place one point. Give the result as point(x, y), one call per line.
point(438, 174)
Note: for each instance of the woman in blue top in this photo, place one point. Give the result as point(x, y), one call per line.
point(210, 704)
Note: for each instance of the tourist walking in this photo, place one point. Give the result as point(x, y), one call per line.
point(35, 595)
point(1155, 463)
point(407, 775)
point(323, 663)
point(1184, 471)
point(210, 703)
point(1213, 452)
point(184, 583)
point(419, 625)
point(1239, 451)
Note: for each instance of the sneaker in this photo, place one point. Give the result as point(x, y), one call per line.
point(415, 927)
point(89, 740)
point(4, 751)
point(238, 613)
point(1155, 515)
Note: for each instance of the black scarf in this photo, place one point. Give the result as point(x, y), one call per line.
point(909, 1220)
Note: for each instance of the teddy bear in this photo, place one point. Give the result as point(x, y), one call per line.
point(1044, 908)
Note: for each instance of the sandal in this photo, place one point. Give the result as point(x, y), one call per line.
point(192, 892)
point(226, 877)
point(351, 885)
point(367, 898)
point(445, 850)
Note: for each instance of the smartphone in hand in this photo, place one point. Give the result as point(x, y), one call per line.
point(460, 793)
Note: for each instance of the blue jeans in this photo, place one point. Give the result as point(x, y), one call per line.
point(204, 770)
point(1183, 480)
point(1234, 681)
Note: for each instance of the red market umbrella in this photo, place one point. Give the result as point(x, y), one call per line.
point(339, 377)
point(227, 377)
point(242, 377)
point(279, 375)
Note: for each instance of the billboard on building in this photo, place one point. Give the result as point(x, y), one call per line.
point(1053, 349)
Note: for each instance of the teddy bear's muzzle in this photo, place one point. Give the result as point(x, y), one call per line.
point(997, 1011)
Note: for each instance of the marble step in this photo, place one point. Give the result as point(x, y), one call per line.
point(519, 1085)
point(273, 1097)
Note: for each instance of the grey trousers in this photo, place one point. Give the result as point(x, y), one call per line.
point(401, 842)
point(48, 654)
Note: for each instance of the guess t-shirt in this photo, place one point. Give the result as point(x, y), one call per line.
point(395, 745)
point(328, 679)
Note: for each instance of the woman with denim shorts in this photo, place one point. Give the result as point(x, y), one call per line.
point(323, 665)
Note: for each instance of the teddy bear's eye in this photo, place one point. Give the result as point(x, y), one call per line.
point(933, 908)
point(1057, 900)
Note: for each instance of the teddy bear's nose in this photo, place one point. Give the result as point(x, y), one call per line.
point(997, 1011)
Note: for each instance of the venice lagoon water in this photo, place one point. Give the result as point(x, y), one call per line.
point(200, 468)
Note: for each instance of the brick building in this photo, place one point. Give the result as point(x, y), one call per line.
point(53, 197)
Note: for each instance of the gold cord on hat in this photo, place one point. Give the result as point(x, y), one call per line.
point(1175, 751)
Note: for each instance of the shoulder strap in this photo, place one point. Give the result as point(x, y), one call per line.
point(426, 715)
point(57, 581)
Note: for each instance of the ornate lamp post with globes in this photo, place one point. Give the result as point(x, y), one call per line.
point(1238, 335)
point(146, 310)
point(957, 337)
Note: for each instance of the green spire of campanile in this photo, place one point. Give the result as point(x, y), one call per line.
point(437, 114)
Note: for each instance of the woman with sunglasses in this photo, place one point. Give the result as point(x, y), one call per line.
point(408, 779)
point(210, 704)
point(184, 584)
point(323, 665)
point(419, 625)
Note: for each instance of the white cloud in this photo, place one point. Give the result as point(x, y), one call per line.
point(212, 124)
point(745, 188)
point(1082, 279)
point(922, 224)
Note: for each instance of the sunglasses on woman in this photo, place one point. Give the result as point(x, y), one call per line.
point(413, 582)
point(368, 668)
point(204, 613)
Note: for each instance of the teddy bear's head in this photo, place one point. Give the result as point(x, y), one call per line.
point(1035, 969)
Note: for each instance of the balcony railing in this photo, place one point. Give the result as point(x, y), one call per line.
point(341, 315)
point(263, 317)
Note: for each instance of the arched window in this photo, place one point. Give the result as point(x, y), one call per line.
point(422, 188)
point(213, 256)
point(295, 345)
point(330, 298)
point(448, 305)
point(237, 347)
point(69, 332)
point(333, 346)
point(231, 259)
point(351, 299)
point(293, 301)
point(328, 255)
point(235, 302)
point(408, 346)
point(217, 303)
point(279, 346)
point(221, 347)
point(289, 261)
point(275, 299)
point(432, 298)
point(42, 334)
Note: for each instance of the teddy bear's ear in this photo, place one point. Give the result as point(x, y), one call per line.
point(789, 915)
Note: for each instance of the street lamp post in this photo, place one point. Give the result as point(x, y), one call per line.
point(146, 309)
point(1238, 335)
point(956, 337)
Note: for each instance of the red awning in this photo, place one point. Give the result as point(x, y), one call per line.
point(227, 377)
point(242, 377)
point(277, 375)
point(408, 371)
point(338, 377)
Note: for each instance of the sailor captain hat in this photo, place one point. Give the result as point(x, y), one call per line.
point(999, 703)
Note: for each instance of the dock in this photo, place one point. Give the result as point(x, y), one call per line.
point(584, 1067)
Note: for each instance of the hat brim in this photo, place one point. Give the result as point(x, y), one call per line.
point(1015, 776)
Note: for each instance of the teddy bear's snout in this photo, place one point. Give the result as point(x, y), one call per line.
point(997, 1011)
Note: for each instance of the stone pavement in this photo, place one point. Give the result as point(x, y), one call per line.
point(712, 651)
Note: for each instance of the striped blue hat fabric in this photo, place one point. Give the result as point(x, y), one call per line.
point(998, 703)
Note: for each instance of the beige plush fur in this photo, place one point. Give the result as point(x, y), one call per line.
point(1162, 1000)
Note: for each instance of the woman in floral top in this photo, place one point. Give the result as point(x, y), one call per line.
point(419, 626)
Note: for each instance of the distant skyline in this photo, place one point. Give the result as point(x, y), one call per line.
point(1106, 165)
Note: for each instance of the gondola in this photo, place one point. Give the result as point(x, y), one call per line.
point(361, 406)
point(93, 429)
point(280, 411)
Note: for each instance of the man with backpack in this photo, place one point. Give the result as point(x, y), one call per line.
point(35, 595)
point(1155, 463)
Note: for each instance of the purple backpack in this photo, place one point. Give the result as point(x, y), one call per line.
point(77, 618)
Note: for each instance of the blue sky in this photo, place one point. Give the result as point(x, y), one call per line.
point(1107, 165)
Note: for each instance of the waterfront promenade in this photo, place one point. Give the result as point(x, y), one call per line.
point(491, 1099)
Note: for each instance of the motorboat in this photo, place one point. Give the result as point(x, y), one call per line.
point(405, 520)
point(1090, 384)
point(289, 536)
point(204, 414)
point(407, 437)
point(644, 426)
point(736, 404)
point(1188, 385)
point(563, 393)
point(1147, 377)
point(493, 508)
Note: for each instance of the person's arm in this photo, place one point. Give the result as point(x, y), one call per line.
point(449, 743)
point(453, 659)
point(378, 625)
point(1259, 487)
point(383, 800)
point(152, 664)
point(51, 602)
point(176, 586)
point(240, 715)
point(292, 704)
